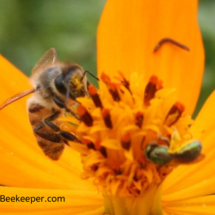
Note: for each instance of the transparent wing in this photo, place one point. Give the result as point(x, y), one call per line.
point(48, 58)
point(16, 97)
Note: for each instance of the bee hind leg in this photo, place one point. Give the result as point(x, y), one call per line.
point(63, 134)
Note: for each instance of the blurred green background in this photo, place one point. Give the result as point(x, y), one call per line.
point(28, 28)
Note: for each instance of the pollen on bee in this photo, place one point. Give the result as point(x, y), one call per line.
point(85, 115)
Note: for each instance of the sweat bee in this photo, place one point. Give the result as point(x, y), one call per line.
point(159, 155)
point(56, 87)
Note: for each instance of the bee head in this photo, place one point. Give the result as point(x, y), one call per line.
point(72, 82)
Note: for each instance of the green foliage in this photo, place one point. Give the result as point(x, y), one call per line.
point(29, 28)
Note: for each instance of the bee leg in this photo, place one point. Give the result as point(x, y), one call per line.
point(38, 127)
point(61, 104)
point(52, 117)
point(53, 137)
point(51, 125)
point(50, 136)
point(63, 134)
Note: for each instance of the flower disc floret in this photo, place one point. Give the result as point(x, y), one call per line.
point(132, 134)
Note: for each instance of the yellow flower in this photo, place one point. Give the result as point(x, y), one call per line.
point(135, 109)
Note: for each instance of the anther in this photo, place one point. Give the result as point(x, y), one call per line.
point(139, 119)
point(166, 39)
point(105, 78)
point(125, 82)
point(114, 92)
point(152, 87)
point(107, 118)
point(174, 114)
point(112, 87)
point(95, 96)
point(126, 141)
point(103, 151)
point(85, 115)
point(90, 144)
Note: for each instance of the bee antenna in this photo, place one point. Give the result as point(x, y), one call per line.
point(90, 73)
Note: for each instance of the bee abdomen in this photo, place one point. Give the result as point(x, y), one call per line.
point(52, 150)
point(34, 108)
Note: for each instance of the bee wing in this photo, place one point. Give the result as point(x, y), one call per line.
point(16, 97)
point(48, 58)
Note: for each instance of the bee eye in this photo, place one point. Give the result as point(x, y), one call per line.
point(188, 153)
point(158, 155)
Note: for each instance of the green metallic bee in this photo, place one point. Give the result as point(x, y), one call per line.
point(189, 152)
point(159, 155)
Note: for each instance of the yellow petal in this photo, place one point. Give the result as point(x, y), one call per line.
point(72, 202)
point(204, 205)
point(129, 31)
point(204, 124)
point(195, 180)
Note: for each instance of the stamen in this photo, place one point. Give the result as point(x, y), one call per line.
point(164, 40)
point(90, 144)
point(103, 151)
point(85, 115)
point(152, 87)
point(129, 149)
point(139, 119)
point(112, 87)
point(174, 114)
point(114, 92)
point(105, 78)
point(95, 96)
point(125, 82)
point(116, 169)
point(107, 118)
point(126, 141)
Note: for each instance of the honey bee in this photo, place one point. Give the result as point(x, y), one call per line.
point(56, 87)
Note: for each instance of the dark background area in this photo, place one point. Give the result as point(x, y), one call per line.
point(28, 28)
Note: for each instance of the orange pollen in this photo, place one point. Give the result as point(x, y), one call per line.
point(152, 87)
point(85, 115)
point(107, 117)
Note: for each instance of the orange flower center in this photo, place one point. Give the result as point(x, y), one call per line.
point(132, 134)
